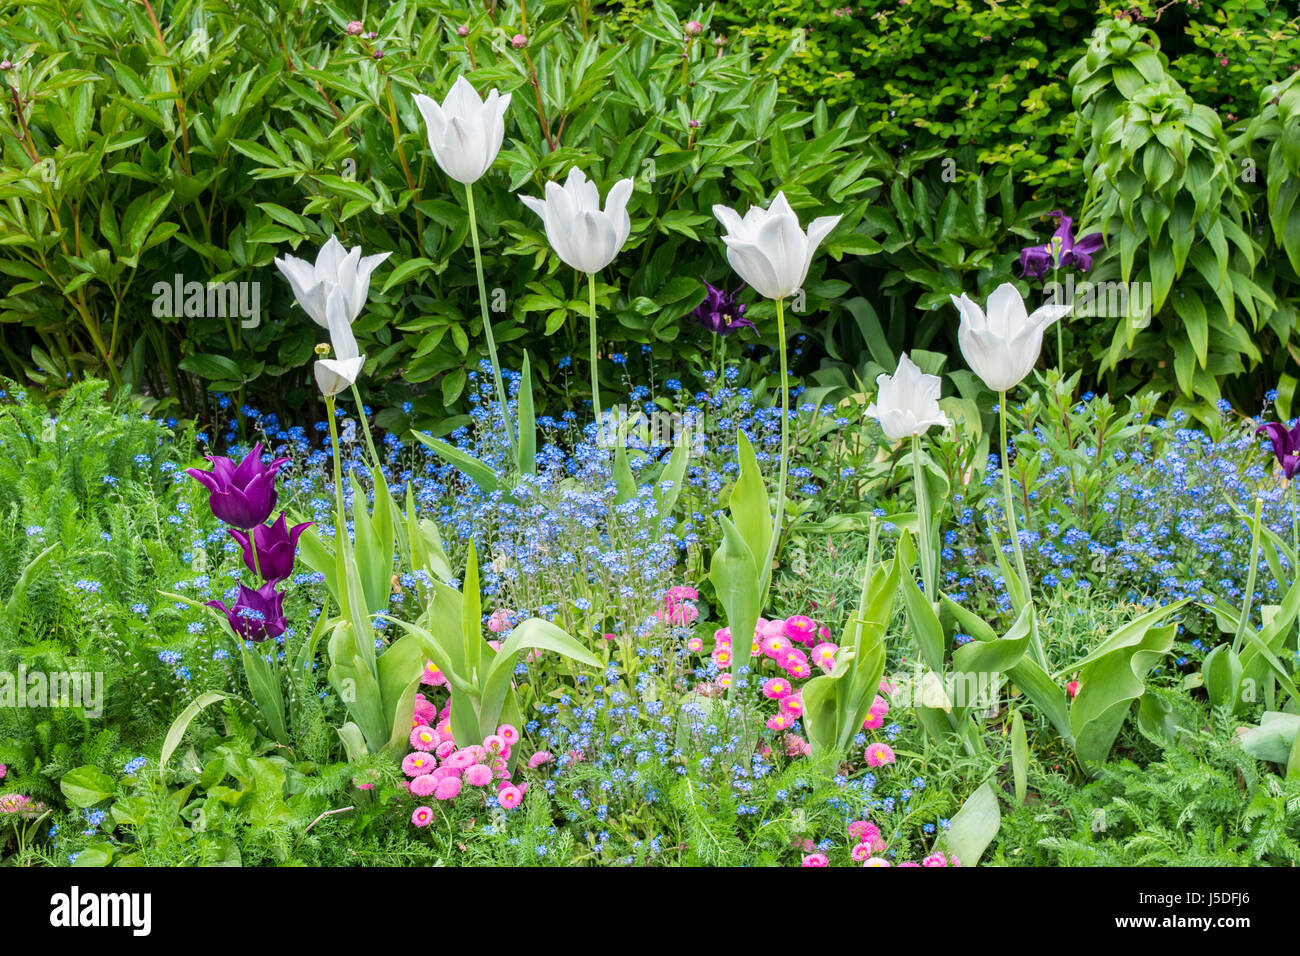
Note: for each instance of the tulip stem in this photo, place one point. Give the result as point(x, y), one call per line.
point(1243, 622)
point(252, 546)
point(765, 572)
point(591, 317)
point(923, 514)
point(487, 321)
point(1010, 502)
point(341, 518)
point(365, 425)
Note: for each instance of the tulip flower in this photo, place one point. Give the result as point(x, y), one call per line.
point(771, 252)
point(335, 374)
point(1063, 251)
point(270, 553)
point(768, 248)
point(1002, 347)
point(908, 402)
point(242, 495)
point(585, 237)
point(582, 235)
point(465, 133)
point(335, 268)
point(256, 615)
point(1286, 446)
point(721, 312)
point(1003, 344)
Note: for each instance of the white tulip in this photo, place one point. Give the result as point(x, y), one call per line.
point(907, 402)
point(465, 133)
point(335, 268)
point(1003, 345)
point(340, 371)
point(769, 249)
point(581, 234)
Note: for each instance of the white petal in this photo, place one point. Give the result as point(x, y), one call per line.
point(1006, 311)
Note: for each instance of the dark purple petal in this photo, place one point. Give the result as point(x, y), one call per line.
point(1035, 261)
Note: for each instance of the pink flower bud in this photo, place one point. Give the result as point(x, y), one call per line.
point(519, 41)
point(355, 28)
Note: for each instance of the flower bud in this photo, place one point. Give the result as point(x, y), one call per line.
point(519, 41)
point(355, 28)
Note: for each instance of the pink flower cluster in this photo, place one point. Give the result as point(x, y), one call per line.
point(868, 848)
point(440, 769)
point(679, 609)
point(16, 804)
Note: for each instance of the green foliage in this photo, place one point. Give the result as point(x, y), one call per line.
point(144, 150)
point(1202, 803)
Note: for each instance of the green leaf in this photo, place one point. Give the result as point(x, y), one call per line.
point(477, 472)
point(527, 458)
point(86, 786)
point(974, 826)
point(182, 722)
point(1019, 755)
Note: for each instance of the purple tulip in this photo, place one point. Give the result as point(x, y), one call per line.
point(721, 312)
point(257, 615)
point(242, 495)
point(276, 544)
point(1286, 446)
point(1037, 261)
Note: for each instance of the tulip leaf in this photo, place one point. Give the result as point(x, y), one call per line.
point(735, 581)
point(750, 513)
point(673, 477)
point(471, 620)
point(86, 786)
point(176, 731)
point(1221, 675)
point(264, 683)
point(1110, 680)
point(1019, 755)
point(476, 471)
point(527, 452)
point(624, 480)
point(974, 826)
point(24, 581)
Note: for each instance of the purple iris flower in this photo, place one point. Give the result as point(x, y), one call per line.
point(1286, 446)
point(256, 615)
point(242, 495)
point(1037, 261)
point(276, 544)
point(721, 312)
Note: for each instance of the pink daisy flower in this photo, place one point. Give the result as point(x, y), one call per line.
point(824, 655)
point(445, 748)
point(432, 676)
point(776, 646)
point(815, 859)
point(872, 722)
point(425, 738)
point(796, 746)
point(460, 759)
point(417, 764)
point(935, 859)
point(775, 688)
point(540, 758)
point(479, 775)
point(722, 657)
point(860, 852)
point(424, 785)
point(509, 797)
point(880, 861)
point(878, 754)
point(722, 636)
point(792, 706)
point(779, 722)
point(495, 744)
point(447, 789)
point(695, 645)
point(800, 628)
point(509, 733)
point(422, 816)
point(879, 706)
